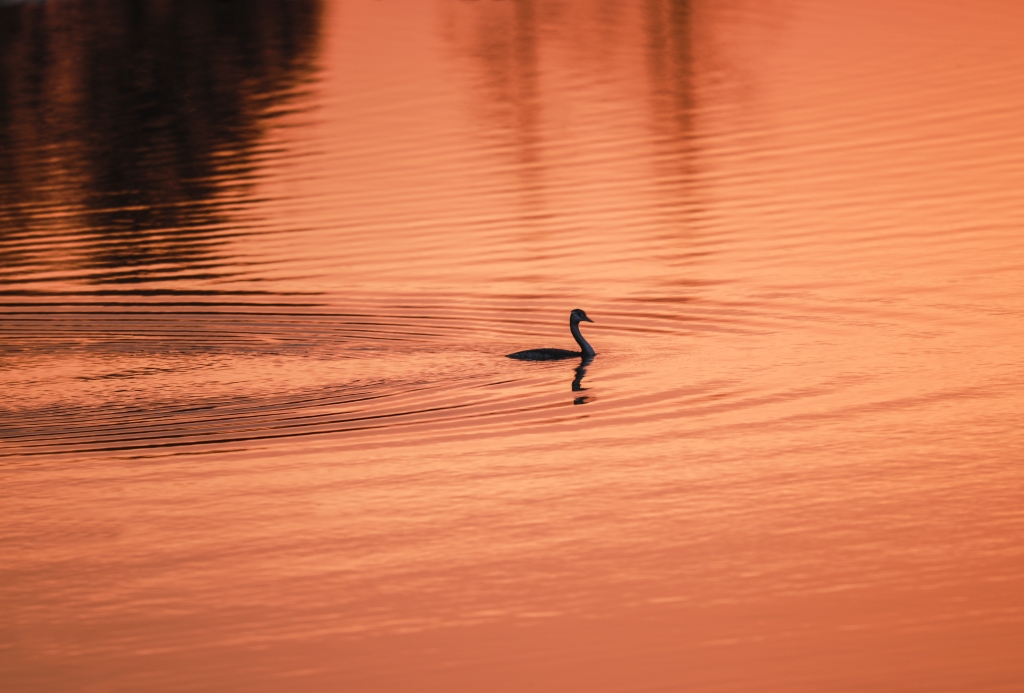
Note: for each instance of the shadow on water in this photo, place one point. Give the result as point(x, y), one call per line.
point(128, 130)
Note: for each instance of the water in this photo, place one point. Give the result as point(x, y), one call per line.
point(260, 264)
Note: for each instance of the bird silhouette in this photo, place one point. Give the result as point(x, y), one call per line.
point(575, 318)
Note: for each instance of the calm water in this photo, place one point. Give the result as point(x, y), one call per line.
point(260, 263)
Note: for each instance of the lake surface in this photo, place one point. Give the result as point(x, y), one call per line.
point(260, 264)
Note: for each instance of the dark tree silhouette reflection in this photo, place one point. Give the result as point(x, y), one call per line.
point(128, 128)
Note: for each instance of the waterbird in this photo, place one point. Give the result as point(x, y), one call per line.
point(587, 352)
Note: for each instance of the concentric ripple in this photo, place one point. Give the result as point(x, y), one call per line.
point(170, 374)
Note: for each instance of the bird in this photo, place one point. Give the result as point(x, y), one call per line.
point(587, 352)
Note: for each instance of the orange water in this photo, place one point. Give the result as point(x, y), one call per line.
point(260, 265)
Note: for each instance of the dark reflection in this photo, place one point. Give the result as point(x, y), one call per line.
point(671, 66)
point(577, 383)
point(514, 46)
point(502, 40)
point(128, 128)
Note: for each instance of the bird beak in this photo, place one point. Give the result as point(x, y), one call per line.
point(588, 319)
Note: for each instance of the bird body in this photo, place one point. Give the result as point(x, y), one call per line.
point(586, 351)
point(545, 355)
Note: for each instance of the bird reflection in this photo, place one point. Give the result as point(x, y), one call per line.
point(577, 383)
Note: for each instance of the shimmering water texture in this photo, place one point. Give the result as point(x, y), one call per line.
point(261, 264)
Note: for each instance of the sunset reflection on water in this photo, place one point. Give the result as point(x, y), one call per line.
point(261, 263)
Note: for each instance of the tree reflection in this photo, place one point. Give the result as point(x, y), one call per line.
point(669, 33)
point(128, 128)
point(545, 75)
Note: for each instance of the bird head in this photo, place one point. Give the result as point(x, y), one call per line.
point(578, 316)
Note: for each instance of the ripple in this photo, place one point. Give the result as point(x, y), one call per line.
point(113, 377)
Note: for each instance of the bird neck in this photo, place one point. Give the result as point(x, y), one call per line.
point(588, 350)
